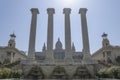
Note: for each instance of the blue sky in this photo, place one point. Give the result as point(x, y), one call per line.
point(102, 16)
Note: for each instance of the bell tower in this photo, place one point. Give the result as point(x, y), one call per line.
point(11, 42)
point(105, 41)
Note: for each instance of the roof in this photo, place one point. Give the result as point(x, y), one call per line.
point(14, 49)
point(104, 48)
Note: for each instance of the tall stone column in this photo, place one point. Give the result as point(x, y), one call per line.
point(67, 12)
point(49, 52)
point(85, 38)
point(50, 12)
point(31, 50)
point(68, 51)
point(86, 50)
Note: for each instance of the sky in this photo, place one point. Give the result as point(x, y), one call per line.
point(102, 16)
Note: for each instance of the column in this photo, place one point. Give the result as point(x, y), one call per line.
point(68, 52)
point(31, 50)
point(49, 52)
point(11, 57)
point(86, 50)
point(50, 12)
point(67, 12)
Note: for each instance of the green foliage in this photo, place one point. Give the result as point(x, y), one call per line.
point(8, 73)
point(12, 64)
point(112, 72)
point(6, 61)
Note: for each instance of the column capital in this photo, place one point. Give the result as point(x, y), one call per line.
point(83, 10)
point(34, 11)
point(50, 10)
point(67, 10)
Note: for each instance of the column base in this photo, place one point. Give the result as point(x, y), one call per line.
point(49, 57)
point(68, 57)
point(87, 59)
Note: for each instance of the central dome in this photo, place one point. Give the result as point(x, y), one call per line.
point(58, 44)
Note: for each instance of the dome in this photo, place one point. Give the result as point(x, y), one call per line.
point(58, 44)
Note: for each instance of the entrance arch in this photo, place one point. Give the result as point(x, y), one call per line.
point(59, 73)
point(35, 73)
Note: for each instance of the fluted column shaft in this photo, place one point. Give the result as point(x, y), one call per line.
point(85, 37)
point(31, 50)
point(67, 12)
point(50, 12)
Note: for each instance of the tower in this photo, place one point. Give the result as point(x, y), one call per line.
point(44, 47)
point(11, 42)
point(73, 47)
point(105, 41)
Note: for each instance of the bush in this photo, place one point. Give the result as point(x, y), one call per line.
point(12, 64)
point(112, 72)
point(8, 73)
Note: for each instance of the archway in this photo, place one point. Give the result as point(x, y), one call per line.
point(59, 73)
point(81, 73)
point(35, 73)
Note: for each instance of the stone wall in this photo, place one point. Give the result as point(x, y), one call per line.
point(70, 69)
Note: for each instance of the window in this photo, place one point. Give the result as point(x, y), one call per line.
point(59, 55)
point(8, 53)
point(103, 54)
point(108, 53)
point(10, 45)
point(106, 44)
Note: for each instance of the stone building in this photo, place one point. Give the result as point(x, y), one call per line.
point(107, 53)
point(9, 53)
point(59, 62)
